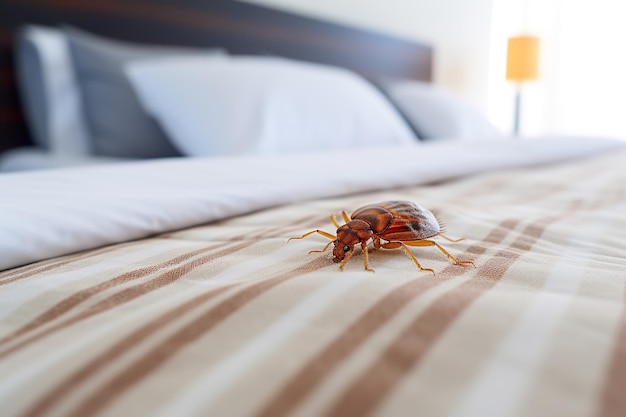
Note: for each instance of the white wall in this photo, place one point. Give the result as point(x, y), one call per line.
point(459, 31)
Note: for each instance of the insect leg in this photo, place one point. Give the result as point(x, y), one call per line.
point(348, 256)
point(323, 250)
point(441, 249)
point(365, 257)
point(396, 245)
point(321, 232)
point(450, 239)
point(345, 216)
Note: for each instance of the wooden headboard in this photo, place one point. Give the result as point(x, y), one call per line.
point(240, 28)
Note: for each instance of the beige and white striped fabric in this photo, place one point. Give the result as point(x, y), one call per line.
point(228, 319)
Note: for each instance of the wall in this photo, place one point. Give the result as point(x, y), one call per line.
point(581, 90)
point(459, 31)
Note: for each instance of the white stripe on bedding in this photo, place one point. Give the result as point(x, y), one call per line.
point(251, 266)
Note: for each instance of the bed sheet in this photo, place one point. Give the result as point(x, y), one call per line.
point(57, 212)
point(229, 319)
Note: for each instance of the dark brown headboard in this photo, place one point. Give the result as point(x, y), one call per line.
point(240, 28)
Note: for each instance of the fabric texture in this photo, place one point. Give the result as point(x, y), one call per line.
point(264, 105)
point(437, 114)
point(230, 319)
point(118, 125)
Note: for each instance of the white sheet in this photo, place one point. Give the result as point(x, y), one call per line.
point(50, 213)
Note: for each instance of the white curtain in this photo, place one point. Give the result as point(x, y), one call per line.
point(582, 85)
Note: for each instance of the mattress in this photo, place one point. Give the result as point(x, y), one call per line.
point(186, 298)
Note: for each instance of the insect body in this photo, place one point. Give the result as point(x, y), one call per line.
point(390, 225)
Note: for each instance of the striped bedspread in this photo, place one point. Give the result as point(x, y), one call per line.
point(230, 319)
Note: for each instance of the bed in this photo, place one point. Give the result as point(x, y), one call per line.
point(168, 285)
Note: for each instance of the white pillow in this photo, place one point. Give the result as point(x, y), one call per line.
point(264, 105)
point(50, 91)
point(435, 113)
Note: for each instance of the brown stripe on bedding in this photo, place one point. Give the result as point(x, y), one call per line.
point(259, 232)
point(405, 352)
point(366, 393)
point(43, 406)
point(174, 234)
point(121, 347)
point(53, 261)
point(301, 223)
point(126, 295)
point(75, 299)
point(192, 331)
point(52, 264)
point(313, 373)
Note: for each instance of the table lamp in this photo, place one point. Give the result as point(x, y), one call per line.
point(522, 64)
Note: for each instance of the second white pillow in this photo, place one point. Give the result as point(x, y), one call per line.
point(264, 105)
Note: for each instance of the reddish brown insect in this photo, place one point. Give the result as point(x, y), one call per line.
point(390, 225)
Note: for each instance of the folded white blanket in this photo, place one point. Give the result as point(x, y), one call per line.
point(56, 212)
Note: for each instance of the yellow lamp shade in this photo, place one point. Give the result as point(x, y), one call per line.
point(522, 61)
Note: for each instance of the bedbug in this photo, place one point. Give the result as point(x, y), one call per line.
point(390, 225)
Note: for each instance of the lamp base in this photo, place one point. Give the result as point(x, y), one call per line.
point(516, 115)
